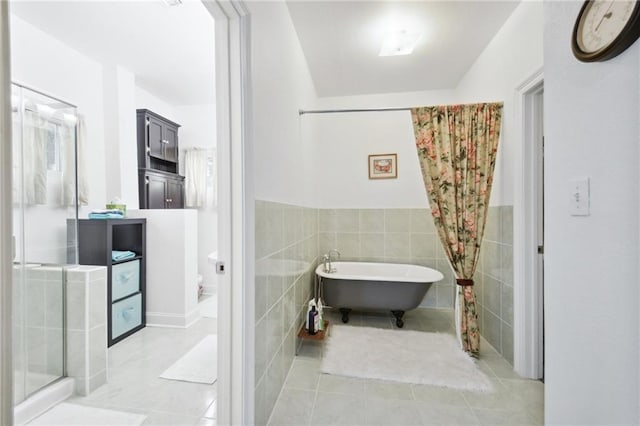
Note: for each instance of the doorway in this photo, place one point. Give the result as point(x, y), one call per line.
point(538, 123)
point(228, 17)
point(529, 232)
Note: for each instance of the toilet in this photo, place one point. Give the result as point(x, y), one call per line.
point(199, 285)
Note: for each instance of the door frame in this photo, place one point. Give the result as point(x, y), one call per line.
point(236, 229)
point(528, 330)
point(235, 313)
point(6, 220)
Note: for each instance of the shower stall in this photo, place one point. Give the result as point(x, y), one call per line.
point(44, 206)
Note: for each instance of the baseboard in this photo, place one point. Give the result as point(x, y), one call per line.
point(42, 401)
point(158, 319)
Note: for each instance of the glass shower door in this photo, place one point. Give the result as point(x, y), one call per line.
point(44, 187)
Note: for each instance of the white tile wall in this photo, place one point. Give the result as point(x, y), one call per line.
point(87, 327)
point(494, 281)
point(286, 255)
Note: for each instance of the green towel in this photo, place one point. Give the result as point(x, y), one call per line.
point(118, 256)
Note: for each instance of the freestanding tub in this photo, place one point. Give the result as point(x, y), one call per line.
point(375, 286)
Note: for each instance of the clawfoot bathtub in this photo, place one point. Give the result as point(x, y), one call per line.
point(376, 286)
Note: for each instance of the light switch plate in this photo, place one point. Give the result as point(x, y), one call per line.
point(579, 196)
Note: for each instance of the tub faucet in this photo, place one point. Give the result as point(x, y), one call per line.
point(327, 264)
point(327, 259)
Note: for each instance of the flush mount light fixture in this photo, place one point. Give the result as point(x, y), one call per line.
point(172, 2)
point(399, 43)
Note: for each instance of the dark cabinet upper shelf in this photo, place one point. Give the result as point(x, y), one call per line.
point(157, 142)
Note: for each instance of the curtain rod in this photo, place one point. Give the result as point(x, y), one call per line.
point(332, 111)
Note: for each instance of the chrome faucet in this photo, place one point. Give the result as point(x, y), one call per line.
point(327, 264)
point(327, 259)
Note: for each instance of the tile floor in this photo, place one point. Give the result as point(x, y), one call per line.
point(312, 398)
point(133, 382)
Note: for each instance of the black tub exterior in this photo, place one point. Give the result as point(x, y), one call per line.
point(373, 295)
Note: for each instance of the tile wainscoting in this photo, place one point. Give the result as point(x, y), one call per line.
point(290, 240)
point(87, 327)
point(391, 236)
point(286, 257)
point(494, 281)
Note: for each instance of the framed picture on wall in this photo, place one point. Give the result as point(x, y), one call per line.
point(383, 166)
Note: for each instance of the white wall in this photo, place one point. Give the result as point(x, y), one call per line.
point(43, 63)
point(151, 101)
point(199, 130)
point(70, 76)
point(127, 137)
point(591, 280)
point(343, 141)
point(514, 54)
point(120, 135)
point(281, 85)
point(172, 292)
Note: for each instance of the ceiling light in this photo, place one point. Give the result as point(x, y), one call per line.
point(173, 2)
point(399, 43)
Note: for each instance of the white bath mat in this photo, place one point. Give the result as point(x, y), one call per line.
point(402, 356)
point(209, 307)
point(199, 365)
point(74, 414)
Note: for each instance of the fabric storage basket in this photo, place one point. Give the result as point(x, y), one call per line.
point(125, 279)
point(126, 315)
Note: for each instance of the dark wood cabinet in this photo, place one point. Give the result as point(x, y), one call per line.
point(161, 190)
point(126, 279)
point(160, 185)
point(170, 142)
point(175, 193)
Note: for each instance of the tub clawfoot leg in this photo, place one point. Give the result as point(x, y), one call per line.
point(345, 314)
point(398, 315)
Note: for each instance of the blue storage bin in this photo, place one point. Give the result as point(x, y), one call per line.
point(125, 279)
point(126, 315)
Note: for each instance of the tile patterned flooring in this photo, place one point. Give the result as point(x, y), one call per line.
point(309, 397)
point(133, 382)
point(312, 398)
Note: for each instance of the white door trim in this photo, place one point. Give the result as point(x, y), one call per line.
point(527, 320)
point(6, 224)
point(235, 213)
point(235, 313)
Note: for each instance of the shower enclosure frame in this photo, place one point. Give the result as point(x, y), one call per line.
point(73, 258)
point(6, 226)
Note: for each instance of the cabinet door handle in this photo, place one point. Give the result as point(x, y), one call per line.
point(165, 141)
point(146, 181)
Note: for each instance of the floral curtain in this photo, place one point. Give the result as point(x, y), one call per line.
point(457, 147)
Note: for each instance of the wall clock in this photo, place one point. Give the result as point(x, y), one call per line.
point(605, 29)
